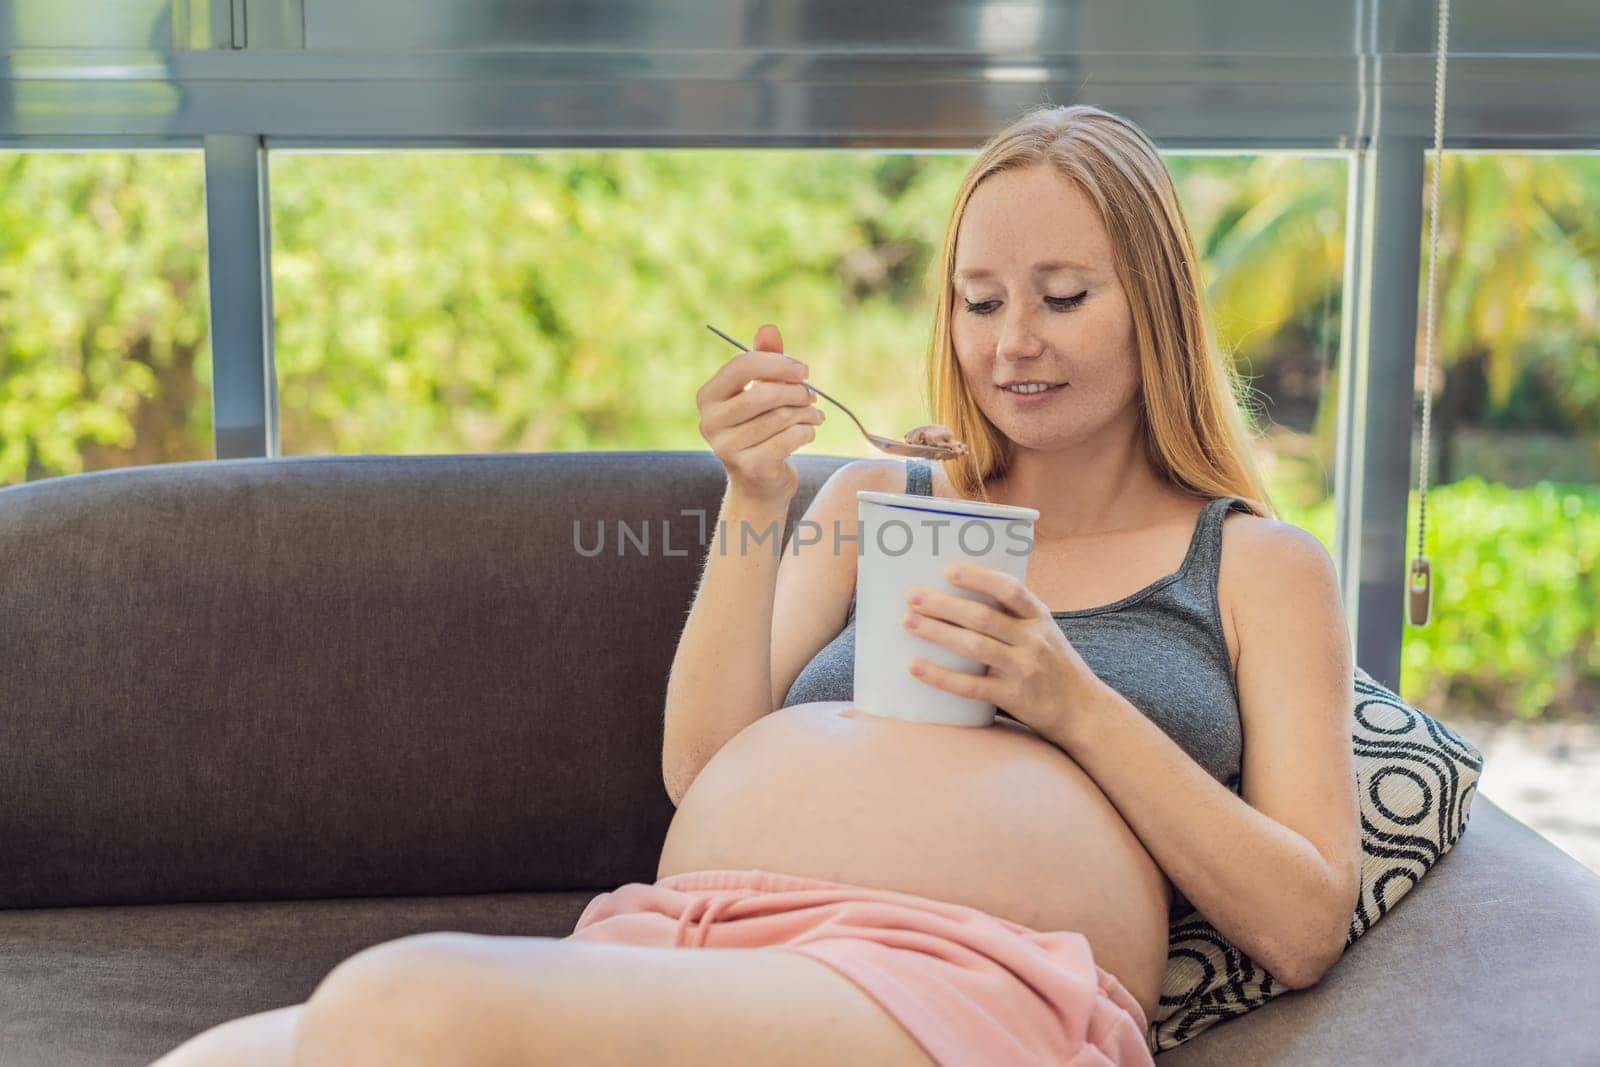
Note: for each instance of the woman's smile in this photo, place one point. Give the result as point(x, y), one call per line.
point(1034, 399)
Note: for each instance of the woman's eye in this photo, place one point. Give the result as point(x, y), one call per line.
point(1060, 303)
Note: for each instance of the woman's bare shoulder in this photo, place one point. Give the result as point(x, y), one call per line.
point(1254, 547)
point(1244, 534)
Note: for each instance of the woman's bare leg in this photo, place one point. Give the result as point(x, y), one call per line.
point(470, 999)
point(266, 1039)
point(484, 1001)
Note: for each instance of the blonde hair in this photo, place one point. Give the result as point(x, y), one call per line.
point(1195, 429)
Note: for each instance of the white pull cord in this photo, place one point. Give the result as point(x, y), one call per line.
point(1419, 599)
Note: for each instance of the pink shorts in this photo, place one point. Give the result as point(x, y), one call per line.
point(973, 989)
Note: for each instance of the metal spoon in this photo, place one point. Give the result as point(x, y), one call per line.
point(887, 444)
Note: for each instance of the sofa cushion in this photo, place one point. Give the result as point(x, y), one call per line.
point(1415, 782)
point(121, 985)
point(1490, 959)
point(332, 676)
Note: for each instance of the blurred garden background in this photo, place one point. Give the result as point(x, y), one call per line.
point(434, 302)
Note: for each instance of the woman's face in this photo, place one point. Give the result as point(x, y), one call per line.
point(1015, 321)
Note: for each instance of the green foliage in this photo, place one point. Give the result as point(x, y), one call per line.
point(104, 353)
point(1516, 599)
point(558, 301)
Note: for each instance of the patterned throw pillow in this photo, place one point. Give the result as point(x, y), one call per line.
point(1416, 778)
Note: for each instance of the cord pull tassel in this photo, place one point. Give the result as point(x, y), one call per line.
point(1419, 592)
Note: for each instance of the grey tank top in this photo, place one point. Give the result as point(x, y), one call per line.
point(1162, 648)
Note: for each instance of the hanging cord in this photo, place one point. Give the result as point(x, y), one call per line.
point(1419, 600)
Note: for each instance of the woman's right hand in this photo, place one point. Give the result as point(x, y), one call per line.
point(754, 413)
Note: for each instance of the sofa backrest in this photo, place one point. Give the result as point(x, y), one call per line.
point(344, 675)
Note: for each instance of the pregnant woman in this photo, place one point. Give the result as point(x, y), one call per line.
point(1174, 677)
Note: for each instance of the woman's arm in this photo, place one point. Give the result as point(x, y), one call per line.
point(721, 678)
point(1276, 869)
point(736, 661)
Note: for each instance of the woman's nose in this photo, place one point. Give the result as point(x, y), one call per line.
point(1018, 339)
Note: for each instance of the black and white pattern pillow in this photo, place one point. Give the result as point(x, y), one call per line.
point(1416, 778)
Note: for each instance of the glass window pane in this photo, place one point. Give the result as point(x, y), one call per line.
point(1513, 509)
point(105, 353)
point(554, 301)
point(446, 302)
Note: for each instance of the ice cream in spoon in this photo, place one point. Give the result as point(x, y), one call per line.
point(936, 436)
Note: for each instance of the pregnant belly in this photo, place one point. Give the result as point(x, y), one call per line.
point(995, 818)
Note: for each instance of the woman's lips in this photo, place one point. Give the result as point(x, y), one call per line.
point(1033, 400)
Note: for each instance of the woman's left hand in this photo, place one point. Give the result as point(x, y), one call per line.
point(1034, 674)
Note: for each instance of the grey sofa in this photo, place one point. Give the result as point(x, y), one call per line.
point(260, 714)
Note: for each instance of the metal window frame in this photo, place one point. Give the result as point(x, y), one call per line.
point(239, 78)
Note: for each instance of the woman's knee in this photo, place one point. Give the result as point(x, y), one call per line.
point(395, 1003)
point(265, 1039)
